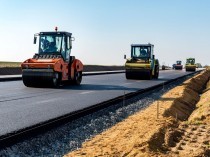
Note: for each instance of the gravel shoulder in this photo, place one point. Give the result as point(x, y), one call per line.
point(178, 124)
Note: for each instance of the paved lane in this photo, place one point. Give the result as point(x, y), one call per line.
point(22, 107)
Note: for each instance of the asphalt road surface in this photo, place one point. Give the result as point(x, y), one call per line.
point(22, 107)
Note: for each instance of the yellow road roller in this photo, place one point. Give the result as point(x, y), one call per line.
point(190, 64)
point(142, 63)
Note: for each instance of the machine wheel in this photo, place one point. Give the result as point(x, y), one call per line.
point(27, 82)
point(56, 80)
point(77, 77)
point(127, 75)
point(150, 75)
point(187, 69)
point(156, 72)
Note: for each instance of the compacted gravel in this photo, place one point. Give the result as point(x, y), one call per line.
point(70, 136)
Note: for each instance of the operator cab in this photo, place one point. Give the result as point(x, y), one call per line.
point(54, 44)
point(142, 51)
point(178, 62)
point(190, 61)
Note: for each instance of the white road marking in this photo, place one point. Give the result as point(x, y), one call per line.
point(46, 101)
point(87, 92)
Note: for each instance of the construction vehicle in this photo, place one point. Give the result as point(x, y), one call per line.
point(52, 65)
point(163, 67)
point(142, 64)
point(190, 64)
point(178, 65)
point(198, 65)
point(173, 66)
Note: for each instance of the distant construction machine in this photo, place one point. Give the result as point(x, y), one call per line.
point(178, 65)
point(142, 64)
point(53, 63)
point(190, 64)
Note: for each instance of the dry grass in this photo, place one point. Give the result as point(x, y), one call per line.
point(9, 64)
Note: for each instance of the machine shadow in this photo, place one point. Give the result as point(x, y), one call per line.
point(103, 87)
point(97, 87)
point(162, 79)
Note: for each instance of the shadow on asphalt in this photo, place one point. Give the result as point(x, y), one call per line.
point(97, 87)
point(163, 79)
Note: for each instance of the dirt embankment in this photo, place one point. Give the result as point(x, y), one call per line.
point(182, 127)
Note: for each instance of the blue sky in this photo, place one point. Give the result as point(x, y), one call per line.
point(105, 29)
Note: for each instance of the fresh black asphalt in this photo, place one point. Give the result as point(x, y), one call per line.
point(21, 107)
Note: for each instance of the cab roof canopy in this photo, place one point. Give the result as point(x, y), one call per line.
point(142, 45)
point(58, 33)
